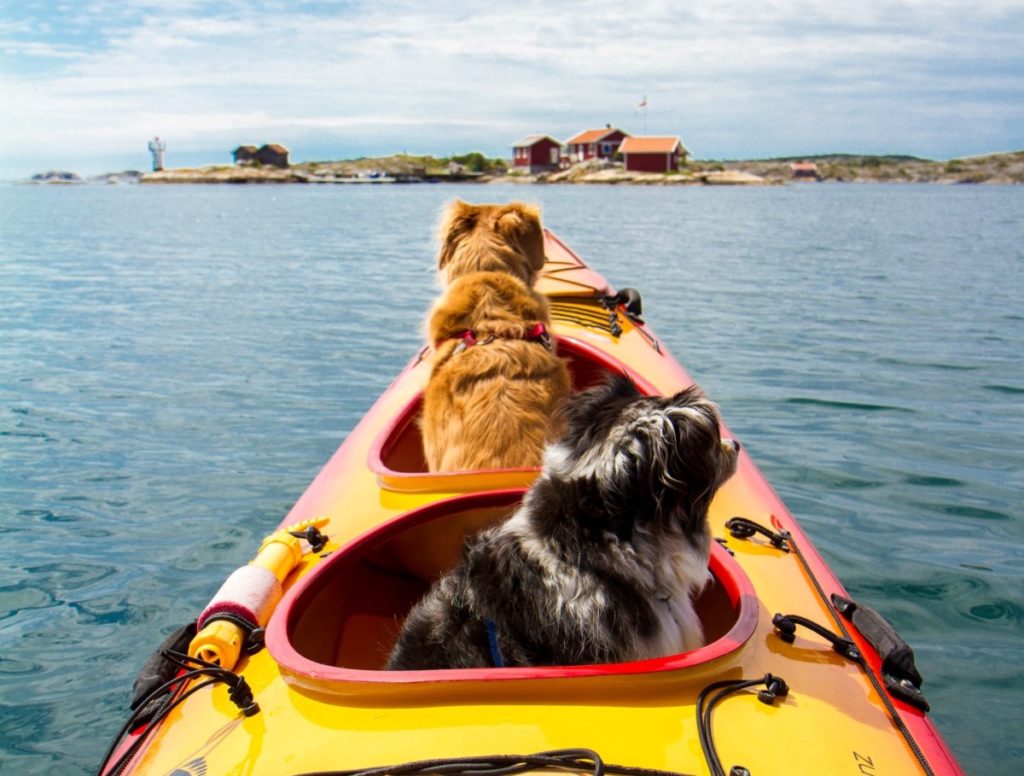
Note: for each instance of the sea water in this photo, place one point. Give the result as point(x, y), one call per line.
point(176, 363)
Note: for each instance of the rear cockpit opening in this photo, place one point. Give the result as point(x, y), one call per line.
point(338, 624)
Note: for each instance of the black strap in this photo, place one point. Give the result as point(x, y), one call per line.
point(898, 669)
point(785, 625)
point(158, 670)
point(742, 528)
point(254, 634)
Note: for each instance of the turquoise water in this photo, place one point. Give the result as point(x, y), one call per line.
point(176, 363)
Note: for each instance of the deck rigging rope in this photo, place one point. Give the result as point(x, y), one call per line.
point(775, 687)
point(745, 525)
point(191, 668)
point(575, 760)
point(742, 528)
point(875, 682)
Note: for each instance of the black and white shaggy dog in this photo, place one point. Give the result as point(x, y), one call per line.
point(601, 561)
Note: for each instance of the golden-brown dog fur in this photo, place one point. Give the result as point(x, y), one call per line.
point(490, 405)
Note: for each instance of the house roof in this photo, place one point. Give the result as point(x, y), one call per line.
point(276, 148)
point(803, 166)
point(250, 148)
point(593, 135)
point(648, 144)
point(530, 140)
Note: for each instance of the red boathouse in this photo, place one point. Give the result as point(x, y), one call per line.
point(537, 153)
point(653, 154)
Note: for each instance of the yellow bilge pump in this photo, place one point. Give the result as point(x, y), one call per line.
point(248, 596)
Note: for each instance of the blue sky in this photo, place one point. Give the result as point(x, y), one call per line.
point(84, 84)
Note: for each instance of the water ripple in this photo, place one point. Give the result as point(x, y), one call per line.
point(845, 405)
point(998, 610)
point(972, 512)
point(932, 481)
point(1010, 390)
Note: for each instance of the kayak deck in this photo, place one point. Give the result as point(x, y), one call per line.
point(327, 704)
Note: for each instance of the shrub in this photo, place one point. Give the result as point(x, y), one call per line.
point(477, 162)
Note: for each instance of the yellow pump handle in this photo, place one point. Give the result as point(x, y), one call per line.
point(221, 641)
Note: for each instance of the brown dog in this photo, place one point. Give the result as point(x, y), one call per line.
point(495, 381)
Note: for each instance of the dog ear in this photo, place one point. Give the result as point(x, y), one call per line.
point(520, 225)
point(695, 398)
point(690, 395)
point(459, 219)
point(621, 387)
point(582, 410)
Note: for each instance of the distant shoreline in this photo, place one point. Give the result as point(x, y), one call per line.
point(998, 168)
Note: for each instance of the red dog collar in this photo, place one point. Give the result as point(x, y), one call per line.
point(536, 333)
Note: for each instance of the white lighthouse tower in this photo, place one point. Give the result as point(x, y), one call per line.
point(157, 148)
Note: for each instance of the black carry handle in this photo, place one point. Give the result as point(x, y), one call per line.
point(898, 670)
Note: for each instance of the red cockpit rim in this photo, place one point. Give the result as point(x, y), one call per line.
point(400, 431)
point(733, 582)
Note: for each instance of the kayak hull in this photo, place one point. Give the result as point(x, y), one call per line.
point(325, 702)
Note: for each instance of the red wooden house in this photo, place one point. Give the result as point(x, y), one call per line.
point(804, 170)
point(245, 154)
point(595, 143)
point(273, 154)
point(536, 153)
point(653, 154)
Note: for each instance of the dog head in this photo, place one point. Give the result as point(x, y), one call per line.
point(655, 461)
point(489, 238)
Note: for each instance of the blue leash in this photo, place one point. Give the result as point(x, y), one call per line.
point(492, 641)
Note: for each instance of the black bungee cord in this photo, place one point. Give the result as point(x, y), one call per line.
point(774, 687)
point(585, 760)
point(193, 667)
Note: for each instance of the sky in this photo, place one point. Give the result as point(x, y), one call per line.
point(85, 84)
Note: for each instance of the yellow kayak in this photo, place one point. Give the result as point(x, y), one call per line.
point(286, 674)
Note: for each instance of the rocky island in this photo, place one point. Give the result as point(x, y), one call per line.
point(1001, 168)
point(998, 168)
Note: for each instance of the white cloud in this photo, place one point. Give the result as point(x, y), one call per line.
point(19, 48)
point(197, 72)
